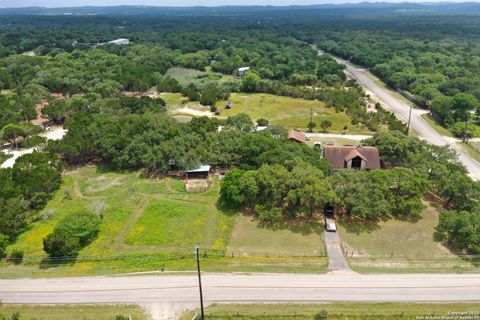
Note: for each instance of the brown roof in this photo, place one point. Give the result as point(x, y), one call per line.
point(297, 136)
point(338, 156)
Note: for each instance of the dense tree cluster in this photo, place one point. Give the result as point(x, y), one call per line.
point(439, 66)
point(24, 191)
point(275, 190)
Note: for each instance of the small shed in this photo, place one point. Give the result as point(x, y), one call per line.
point(202, 172)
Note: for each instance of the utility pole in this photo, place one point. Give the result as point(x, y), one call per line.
point(409, 118)
point(200, 282)
point(465, 140)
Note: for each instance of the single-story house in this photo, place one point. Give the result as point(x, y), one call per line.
point(202, 172)
point(351, 157)
point(297, 136)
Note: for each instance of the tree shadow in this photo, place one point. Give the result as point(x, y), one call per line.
point(301, 225)
point(227, 210)
point(357, 226)
point(54, 262)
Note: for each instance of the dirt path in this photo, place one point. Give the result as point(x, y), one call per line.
point(56, 133)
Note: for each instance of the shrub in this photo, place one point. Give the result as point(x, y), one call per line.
point(262, 122)
point(3, 245)
point(58, 244)
point(322, 315)
point(16, 256)
point(72, 233)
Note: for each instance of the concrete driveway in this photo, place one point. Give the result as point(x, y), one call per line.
point(336, 260)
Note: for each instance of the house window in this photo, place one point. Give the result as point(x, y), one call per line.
point(357, 163)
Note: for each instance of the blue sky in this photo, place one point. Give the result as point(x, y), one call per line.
point(74, 3)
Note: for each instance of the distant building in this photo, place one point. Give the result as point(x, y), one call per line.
point(119, 42)
point(359, 157)
point(242, 71)
point(297, 136)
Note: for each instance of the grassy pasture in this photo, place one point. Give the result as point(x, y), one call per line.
point(287, 112)
point(401, 246)
point(148, 224)
point(284, 111)
point(300, 239)
point(74, 311)
point(180, 224)
point(336, 310)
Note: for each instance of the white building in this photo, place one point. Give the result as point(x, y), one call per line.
point(119, 42)
point(242, 71)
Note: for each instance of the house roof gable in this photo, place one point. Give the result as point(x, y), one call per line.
point(338, 156)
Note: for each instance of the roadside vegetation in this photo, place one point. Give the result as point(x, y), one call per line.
point(334, 310)
point(73, 312)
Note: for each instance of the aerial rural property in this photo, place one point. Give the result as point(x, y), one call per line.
point(239, 160)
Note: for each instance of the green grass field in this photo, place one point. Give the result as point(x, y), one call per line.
point(181, 224)
point(149, 224)
point(337, 310)
point(288, 112)
point(400, 246)
point(300, 239)
point(73, 312)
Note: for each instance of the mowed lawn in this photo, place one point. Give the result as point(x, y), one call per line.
point(73, 312)
point(287, 112)
point(400, 245)
point(249, 237)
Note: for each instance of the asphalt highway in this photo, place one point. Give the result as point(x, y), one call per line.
point(242, 288)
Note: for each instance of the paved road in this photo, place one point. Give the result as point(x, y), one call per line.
point(401, 109)
point(167, 295)
point(336, 260)
point(243, 288)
